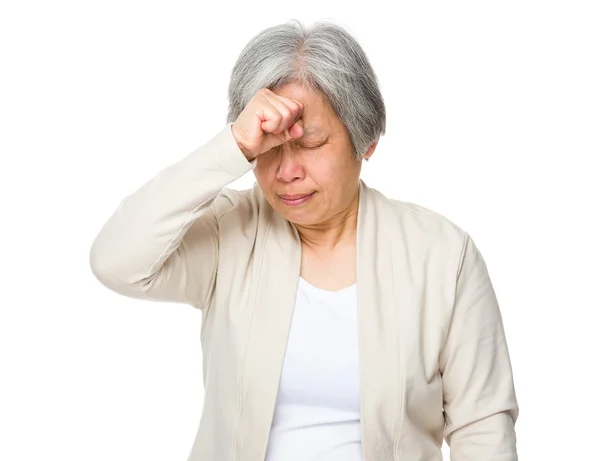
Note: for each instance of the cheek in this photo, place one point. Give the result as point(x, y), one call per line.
point(330, 174)
point(267, 161)
point(265, 171)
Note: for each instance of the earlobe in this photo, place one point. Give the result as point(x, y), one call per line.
point(371, 150)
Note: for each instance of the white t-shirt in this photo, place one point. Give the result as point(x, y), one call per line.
point(317, 414)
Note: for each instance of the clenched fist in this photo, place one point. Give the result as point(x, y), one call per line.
point(267, 121)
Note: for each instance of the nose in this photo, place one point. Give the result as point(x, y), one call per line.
point(290, 167)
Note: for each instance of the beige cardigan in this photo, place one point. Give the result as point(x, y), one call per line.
point(433, 356)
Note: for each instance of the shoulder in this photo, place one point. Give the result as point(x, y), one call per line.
point(420, 225)
point(429, 220)
point(239, 202)
point(242, 213)
point(415, 215)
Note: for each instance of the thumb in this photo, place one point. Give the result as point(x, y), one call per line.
point(295, 131)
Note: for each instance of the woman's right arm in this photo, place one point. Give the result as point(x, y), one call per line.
point(161, 243)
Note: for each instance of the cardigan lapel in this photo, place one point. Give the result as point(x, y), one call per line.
point(273, 308)
point(378, 327)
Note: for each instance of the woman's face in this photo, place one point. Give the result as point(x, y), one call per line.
point(315, 178)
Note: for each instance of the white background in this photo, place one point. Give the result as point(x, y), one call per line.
point(493, 121)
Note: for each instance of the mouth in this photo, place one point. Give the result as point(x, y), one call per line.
point(295, 199)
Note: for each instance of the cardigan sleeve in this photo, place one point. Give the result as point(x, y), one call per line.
point(161, 243)
point(480, 406)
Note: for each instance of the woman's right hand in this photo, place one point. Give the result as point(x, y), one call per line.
point(267, 121)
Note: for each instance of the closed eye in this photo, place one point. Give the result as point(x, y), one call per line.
point(312, 146)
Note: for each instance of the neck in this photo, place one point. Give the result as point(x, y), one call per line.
point(337, 231)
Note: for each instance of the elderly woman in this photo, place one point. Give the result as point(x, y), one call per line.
point(337, 324)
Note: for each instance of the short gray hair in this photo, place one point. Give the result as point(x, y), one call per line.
point(324, 58)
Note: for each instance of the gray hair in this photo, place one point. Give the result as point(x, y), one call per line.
point(324, 58)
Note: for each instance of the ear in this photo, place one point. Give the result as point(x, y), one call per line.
point(371, 150)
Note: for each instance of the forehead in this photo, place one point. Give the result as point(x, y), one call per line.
point(317, 110)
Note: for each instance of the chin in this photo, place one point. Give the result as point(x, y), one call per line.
point(301, 216)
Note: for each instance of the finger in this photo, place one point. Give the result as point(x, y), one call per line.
point(286, 115)
point(270, 116)
point(289, 110)
point(295, 106)
point(296, 130)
